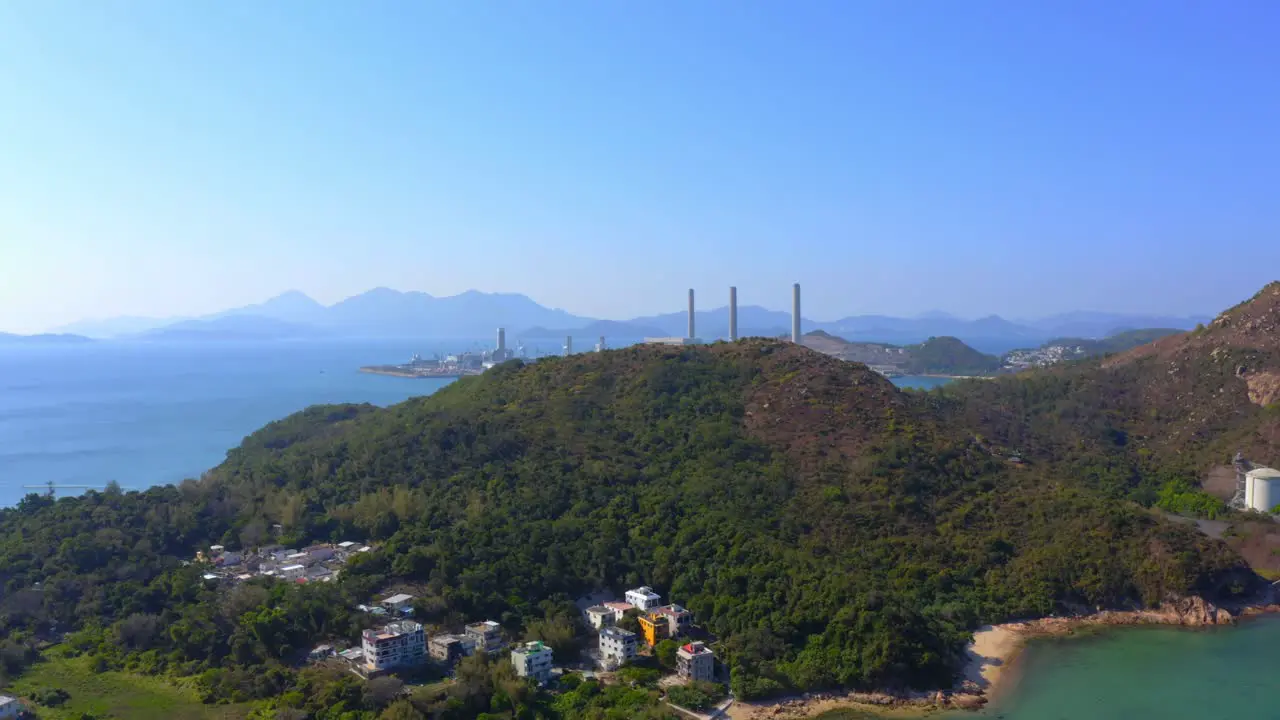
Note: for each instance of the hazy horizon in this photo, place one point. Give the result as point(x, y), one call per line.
point(171, 159)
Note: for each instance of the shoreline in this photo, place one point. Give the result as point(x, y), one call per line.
point(393, 372)
point(991, 667)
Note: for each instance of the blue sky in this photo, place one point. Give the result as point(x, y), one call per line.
point(1018, 158)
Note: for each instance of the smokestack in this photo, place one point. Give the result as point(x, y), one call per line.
point(691, 334)
point(568, 345)
point(733, 314)
point(795, 313)
point(502, 339)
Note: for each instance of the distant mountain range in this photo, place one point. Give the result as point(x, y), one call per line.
point(9, 339)
point(383, 312)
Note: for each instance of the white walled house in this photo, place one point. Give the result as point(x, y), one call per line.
point(532, 660)
point(696, 662)
point(598, 616)
point(644, 598)
point(617, 646)
point(398, 644)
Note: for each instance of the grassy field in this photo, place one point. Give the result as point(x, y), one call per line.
point(116, 695)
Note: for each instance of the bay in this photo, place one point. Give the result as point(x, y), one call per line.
point(1155, 673)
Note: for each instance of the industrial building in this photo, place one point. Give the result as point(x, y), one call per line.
point(695, 662)
point(398, 644)
point(692, 337)
point(617, 647)
point(533, 660)
point(1262, 489)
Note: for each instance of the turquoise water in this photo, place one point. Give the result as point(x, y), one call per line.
point(920, 382)
point(1147, 673)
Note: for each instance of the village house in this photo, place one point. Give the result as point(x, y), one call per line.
point(678, 619)
point(695, 662)
point(399, 603)
point(617, 646)
point(487, 636)
point(11, 707)
point(643, 598)
point(292, 572)
point(599, 616)
point(533, 660)
point(449, 648)
point(398, 644)
point(654, 628)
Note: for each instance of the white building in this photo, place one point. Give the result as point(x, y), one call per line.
point(1262, 489)
point(486, 635)
point(10, 707)
point(533, 660)
point(598, 616)
point(694, 661)
point(398, 603)
point(644, 598)
point(292, 572)
point(396, 645)
point(617, 646)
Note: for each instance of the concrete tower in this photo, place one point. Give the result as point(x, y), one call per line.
point(691, 333)
point(568, 345)
point(795, 313)
point(733, 314)
point(502, 340)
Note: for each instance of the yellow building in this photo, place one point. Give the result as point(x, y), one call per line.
point(654, 627)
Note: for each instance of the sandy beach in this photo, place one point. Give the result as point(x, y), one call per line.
point(991, 653)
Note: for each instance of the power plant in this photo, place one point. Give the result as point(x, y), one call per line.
point(692, 337)
point(733, 314)
point(795, 313)
point(692, 334)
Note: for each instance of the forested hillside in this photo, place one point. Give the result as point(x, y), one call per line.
point(827, 528)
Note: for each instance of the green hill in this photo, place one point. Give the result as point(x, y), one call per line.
point(949, 356)
point(1119, 342)
point(828, 529)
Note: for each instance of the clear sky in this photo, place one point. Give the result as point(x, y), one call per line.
point(168, 157)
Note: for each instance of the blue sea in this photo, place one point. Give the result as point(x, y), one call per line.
point(143, 414)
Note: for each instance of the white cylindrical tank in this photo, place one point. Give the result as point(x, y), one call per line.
point(1262, 489)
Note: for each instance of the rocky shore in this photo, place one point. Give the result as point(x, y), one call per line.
point(991, 653)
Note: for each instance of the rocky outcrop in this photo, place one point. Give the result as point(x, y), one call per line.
point(1264, 387)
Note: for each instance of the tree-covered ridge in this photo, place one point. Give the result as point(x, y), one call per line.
point(950, 356)
point(826, 527)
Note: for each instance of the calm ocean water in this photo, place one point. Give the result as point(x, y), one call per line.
point(144, 414)
point(1148, 674)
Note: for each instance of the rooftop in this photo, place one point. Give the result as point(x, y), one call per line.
point(695, 648)
point(1263, 472)
point(394, 630)
point(672, 609)
point(533, 646)
point(613, 631)
point(483, 626)
point(398, 599)
point(645, 590)
point(599, 609)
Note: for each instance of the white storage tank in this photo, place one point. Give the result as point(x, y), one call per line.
point(1262, 489)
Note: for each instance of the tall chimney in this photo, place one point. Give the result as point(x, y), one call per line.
point(568, 345)
point(502, 339)
point(691, 334)
point(795, 313)
point(733, 314)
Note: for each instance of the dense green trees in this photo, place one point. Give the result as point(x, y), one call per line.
point(827, 529)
